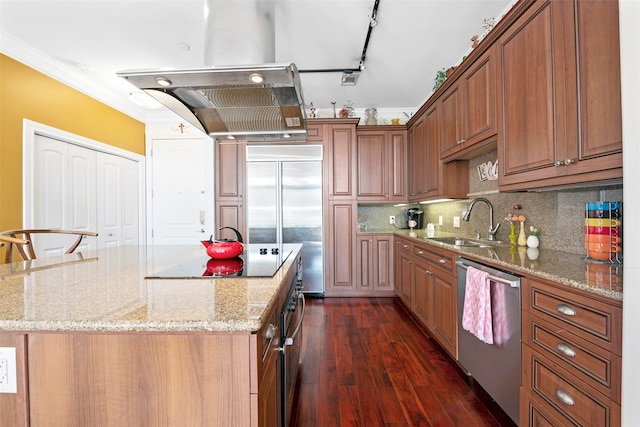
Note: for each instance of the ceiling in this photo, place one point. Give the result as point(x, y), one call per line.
point(85, 42)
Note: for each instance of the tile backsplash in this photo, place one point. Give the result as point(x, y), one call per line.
point(558, 214)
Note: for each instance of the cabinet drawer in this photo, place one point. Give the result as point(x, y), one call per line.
point(572, 398)
point(404, 246)
point(536, 413)
point(440, 259)
point(594, 320)
point(592, 364)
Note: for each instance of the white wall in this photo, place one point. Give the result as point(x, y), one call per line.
point(629, 37)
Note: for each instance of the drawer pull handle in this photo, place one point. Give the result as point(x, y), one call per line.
point(566, 349)
point(566, 310)
point(442, 261)
point(564, 397)
point(420, 252)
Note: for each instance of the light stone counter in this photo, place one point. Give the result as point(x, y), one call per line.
point(106, 290)
point(604, 279)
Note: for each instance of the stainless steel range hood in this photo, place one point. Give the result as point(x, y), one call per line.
point(227, 103)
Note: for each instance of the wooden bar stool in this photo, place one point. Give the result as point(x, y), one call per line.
point(22, 241)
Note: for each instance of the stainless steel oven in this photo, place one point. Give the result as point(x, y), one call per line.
point(291, 316)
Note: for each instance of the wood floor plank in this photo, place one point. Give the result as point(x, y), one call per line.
point(367, 364)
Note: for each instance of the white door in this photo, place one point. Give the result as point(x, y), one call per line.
point(63, 194)
point(74, 183)
point(180, 209)
point(117, 200)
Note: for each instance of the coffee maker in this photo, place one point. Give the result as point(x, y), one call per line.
point(414, 218)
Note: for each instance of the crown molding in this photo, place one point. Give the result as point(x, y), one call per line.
point(67, 75)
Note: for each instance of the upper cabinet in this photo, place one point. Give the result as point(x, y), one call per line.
point(469, 111)
point(559, 87)
point(229, 188)
point(429, 177)
point(381, 154)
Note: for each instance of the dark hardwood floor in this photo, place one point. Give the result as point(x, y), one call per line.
point(366, 363)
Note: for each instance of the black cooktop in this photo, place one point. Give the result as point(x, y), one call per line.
point(258, 260)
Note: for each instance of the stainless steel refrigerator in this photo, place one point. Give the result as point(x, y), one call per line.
point(284, 203)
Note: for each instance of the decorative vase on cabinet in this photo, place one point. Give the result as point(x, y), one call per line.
point(513, 237)
point(522, 237)
point(533, 241)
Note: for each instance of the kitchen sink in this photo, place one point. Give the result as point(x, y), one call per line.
point(458, 241)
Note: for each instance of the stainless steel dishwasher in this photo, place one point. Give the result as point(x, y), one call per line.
point(496, 367)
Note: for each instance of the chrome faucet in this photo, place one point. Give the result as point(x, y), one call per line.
point(467, 216)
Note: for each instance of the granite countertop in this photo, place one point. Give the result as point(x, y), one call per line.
point(604, 279)
point(106, 291)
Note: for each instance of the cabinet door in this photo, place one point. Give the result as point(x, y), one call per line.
point(398, 175)
point(373, 154)
point(230, 169)
point(529, 99)
point(423, 293)
point(417, 159)
point(342, 247)
point(452, 119)
point(445, 327)
point(364, 274)
point(479, 101)
point(383, 263)
point(402, 271)
point(599, 84)
point(432, 146)
point(341, 159)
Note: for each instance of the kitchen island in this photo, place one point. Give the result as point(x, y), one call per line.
point(99, 344)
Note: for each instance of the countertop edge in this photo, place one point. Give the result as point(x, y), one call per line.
point(472, 253)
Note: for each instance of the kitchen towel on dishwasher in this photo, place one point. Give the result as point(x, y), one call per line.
point(476, 312)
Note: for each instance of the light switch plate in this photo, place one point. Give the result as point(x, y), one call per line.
point(8, 375)
point(456, 222)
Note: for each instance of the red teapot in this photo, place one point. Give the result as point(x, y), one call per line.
point(224, 249)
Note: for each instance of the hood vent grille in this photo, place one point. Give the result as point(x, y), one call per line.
point(220, 103)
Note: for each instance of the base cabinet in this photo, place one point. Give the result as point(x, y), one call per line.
point(426, 284)
point(375, 263)
point(341, 248)
point(571, 357)
point(402, 250)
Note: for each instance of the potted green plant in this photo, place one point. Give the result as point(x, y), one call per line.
point(441, 76)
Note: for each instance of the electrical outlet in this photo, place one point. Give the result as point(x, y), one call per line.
point(440, 222)
point(8, 376)
point(456, 222)
point(392, 219)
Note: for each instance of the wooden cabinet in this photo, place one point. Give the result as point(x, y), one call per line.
point(381, 154)
point(571, 356)
point(429, 177)
point(402, 269)
point(374, 275)
point(341, 248)
point(435, 294)
point(230, 169)
point(426, 284)
point(417, 150)
point(559, 86)
point(340, 158)
point(469, 111)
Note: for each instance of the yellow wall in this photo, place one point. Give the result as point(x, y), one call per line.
point(29, 94)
